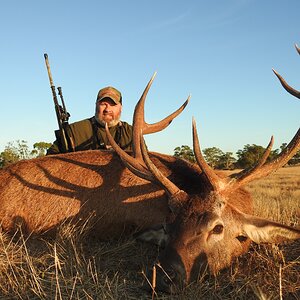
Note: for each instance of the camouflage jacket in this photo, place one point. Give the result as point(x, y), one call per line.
point(88, 134)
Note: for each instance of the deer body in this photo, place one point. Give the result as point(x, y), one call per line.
point(40, 194)
point(44, 192)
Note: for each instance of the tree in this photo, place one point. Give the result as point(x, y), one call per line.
point(226, 161)
point(18, 150)
point(40, 148)
point(295, 160)
point(283, 145)
point(13, 152)
point(8, 156)
point(212, 156)
point(185, 152)
point(251, 154)
point(23, 149)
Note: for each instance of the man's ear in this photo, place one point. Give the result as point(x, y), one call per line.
point(261, 230)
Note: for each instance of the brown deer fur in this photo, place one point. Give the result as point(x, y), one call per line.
point(42, 193)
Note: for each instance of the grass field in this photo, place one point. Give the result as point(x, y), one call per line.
point(73, 266)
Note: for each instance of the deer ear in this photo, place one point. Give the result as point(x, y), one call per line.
point(261, 230)
point(156, 235)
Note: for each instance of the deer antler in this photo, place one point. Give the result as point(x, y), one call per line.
point(215, 181)
point(263, 169)
point(139, 124)
point(287, 87)
point(140, 163)
point(297, 48)
point(247, 175)
point(169, 186)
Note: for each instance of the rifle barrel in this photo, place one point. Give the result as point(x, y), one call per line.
point(48, 69)
point(59, 113)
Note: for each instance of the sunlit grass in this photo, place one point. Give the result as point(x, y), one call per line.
point(277, 197)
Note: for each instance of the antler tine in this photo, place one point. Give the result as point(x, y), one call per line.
point(297, 48)
point(263, 170)
point(158, 126)
point(215, 181)
point(168, 185)
point(134, 165)
point(247, 175)
point(139, 123)
point(287, 87)
point(287, 153)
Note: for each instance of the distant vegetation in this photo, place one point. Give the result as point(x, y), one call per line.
point(216, 158)
point(246, 157)
point(18, 150)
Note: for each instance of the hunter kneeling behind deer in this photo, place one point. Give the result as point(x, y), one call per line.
point(203, 219)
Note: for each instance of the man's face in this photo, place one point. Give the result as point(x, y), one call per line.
point(107, 111)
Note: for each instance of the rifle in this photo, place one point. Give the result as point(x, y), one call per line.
point(62, 135)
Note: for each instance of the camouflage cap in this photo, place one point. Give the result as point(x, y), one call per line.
point(110, 92)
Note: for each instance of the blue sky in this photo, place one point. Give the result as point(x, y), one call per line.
point(220, 52)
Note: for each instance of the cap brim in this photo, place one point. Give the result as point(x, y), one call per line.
point(104, 97)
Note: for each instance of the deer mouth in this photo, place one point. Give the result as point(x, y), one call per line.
point(169, 280)
point(171, 275)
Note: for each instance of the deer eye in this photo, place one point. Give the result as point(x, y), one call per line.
point(218, 229)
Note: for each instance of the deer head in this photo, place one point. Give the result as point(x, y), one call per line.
point(211, 227)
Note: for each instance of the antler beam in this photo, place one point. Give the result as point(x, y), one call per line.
point(140, 163)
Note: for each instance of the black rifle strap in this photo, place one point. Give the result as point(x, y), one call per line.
point(118, 133)
point(95, 133)
point(69, 137)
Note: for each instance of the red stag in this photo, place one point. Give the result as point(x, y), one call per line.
point(211, 221)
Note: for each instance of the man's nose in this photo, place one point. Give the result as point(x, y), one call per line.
point(107, 107)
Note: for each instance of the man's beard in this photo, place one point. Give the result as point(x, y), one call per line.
point(111, 123)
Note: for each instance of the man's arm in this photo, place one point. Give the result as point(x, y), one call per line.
point(54, 149)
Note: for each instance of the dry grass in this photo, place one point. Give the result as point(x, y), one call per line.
point(278, 196)
point(74, 266)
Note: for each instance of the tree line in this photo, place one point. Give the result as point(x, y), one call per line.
point(19, 150)
point(246, 157)
point(215, 157)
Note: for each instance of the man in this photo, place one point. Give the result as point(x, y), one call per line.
point(90, 133)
